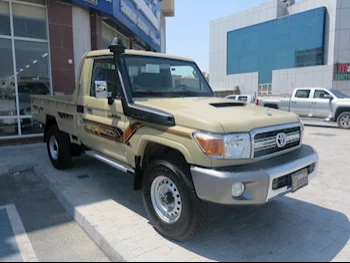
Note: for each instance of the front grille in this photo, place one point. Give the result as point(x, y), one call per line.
point(265, 142)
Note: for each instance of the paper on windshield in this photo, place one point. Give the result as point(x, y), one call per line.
point(151, 68)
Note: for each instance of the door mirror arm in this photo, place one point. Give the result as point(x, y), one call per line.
point(110, 100)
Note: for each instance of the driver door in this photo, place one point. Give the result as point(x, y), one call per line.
point(101, 126)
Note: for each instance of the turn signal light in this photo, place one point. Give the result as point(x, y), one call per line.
point(211, 146)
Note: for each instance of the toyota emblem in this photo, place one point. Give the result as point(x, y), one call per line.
point(281, 140)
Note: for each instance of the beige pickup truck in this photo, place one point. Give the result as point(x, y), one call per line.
point(138, 112)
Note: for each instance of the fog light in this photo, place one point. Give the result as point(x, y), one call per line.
point(238, 189)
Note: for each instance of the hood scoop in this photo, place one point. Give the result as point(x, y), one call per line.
point(228, 104)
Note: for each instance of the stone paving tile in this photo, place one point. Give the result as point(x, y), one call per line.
point(310, 225)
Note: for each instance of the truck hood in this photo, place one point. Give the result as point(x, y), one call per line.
point(219, 115)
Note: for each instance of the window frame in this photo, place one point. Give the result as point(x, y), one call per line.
point(92, 81)
point(298, 90)
point(317, 90)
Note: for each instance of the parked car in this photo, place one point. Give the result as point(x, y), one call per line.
point(328, 104)
point(242, 97)
point(184, 147)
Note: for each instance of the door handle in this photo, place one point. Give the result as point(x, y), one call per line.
point(89, 110)
point(114, 116)
point(314, 102)
point(294, 101)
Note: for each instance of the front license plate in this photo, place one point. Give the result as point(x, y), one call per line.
point(300, 179)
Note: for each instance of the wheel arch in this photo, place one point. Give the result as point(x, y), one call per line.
point(339, 111)
point(150, 148)
point(50, 121)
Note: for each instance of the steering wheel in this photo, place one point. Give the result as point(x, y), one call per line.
point(181, 86)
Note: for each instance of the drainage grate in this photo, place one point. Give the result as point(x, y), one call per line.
point(83, 176)
point(324, 134)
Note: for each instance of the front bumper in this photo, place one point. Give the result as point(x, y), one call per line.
point(215, 185)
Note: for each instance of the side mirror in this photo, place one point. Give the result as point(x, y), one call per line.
point(327, 96)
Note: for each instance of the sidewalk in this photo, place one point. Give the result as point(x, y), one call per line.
point(311, 225)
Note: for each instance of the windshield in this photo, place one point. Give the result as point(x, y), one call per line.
point(162, 77)
point(339, 94)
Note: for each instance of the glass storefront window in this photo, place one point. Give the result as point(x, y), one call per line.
point(7, 84)
point(28, 126)
point(29, 21)
point(33, 74)
point(5, 28)
point(108, 33)
point(8, 127)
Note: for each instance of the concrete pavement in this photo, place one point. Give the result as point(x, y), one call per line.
point(36, 226)
point(310, 225)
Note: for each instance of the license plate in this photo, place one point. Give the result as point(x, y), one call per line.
point(300, 179)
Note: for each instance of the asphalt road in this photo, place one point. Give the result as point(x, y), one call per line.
point(54, 235)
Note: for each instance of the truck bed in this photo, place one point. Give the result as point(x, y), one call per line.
point(62, 108)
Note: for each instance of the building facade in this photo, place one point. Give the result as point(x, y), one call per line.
point(42, 41)
point(281, 45)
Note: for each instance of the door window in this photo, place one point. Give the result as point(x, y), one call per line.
point(243, 98)
point(104, 77)
point(303, 94)
point(320, 94)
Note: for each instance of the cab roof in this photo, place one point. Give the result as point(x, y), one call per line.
point(106, 52)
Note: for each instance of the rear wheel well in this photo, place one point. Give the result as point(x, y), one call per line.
point(339, 111)
point(154, 151)
point(50, 121)
point(272, 106)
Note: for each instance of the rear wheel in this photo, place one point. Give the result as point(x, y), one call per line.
point(170, 200)
point(344, 120)
point(59, 148)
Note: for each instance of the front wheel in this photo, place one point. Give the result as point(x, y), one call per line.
point(171, 201)
point(344, 120)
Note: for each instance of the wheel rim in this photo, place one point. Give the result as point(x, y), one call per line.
point(345, 121)
point(166, 199)
point(53, 144)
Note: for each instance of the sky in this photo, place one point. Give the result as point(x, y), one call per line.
point(188, 32)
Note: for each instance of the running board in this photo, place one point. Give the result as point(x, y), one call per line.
point(126, 168)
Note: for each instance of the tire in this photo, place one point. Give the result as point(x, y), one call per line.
point(59, 148)
point(344, 120)
point(174, 175)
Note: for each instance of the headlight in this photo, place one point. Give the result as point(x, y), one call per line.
point(237, 146)
point(302, 127)
point(231, 146)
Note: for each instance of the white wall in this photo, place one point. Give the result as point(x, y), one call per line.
point(81, 35)
point(284, 81)
point(247, 83)
point(219, 80)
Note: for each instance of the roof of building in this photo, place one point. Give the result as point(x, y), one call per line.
point(106, 52)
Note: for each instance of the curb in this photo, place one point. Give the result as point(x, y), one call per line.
point(84, 223)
